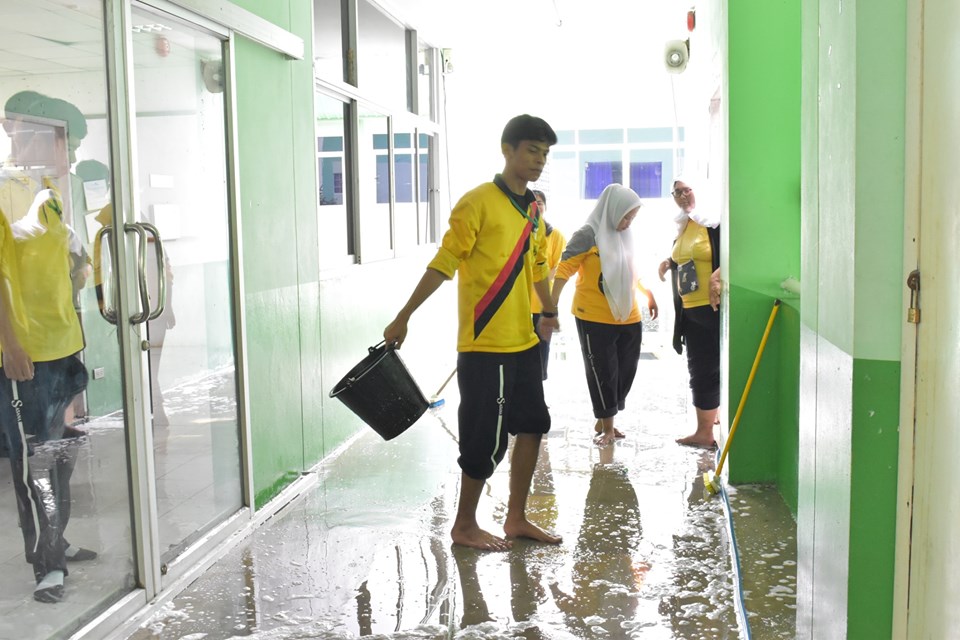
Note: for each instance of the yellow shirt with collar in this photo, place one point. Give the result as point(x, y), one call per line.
point(694, 244)
point(589, 301)
point(35, 265)
point(495, 270)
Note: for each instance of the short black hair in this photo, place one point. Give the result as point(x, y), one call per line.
point(540, 195)
point(527, 127)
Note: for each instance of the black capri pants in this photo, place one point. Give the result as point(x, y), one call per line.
point(611, 353)
point(700, 327)
point(500, 394)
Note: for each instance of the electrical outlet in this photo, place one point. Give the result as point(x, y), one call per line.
point(98, 373)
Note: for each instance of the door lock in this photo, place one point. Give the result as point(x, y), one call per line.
point(913, 281)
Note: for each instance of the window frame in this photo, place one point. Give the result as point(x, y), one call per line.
point(405, 118)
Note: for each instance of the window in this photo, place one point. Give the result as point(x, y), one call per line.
point(600, 168)
point(327, 40)
point(376, 134)
point(374, 180)
point(426, 232)
point(381, 56)
point(405, 176)
point(336, 224)
point(646, 178)
point(425, 60)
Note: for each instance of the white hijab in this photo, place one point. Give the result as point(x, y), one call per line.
point(682, 216)
point(616, 247)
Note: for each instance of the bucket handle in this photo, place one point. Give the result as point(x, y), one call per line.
point(380, 344)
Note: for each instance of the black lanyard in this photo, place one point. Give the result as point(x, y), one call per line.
point(534, 219)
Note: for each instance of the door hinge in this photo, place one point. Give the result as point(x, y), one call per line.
point(913, 281)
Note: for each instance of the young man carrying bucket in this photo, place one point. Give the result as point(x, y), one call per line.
point(497, 242)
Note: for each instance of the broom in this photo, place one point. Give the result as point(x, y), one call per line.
point(435, 399)
point(712, 485)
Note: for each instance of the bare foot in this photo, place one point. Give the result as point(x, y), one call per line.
point(477, 538)
point(605, 439)
point(598, 427)
point(695, 441)
point(526, 529)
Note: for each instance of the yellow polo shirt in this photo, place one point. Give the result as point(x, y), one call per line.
point(497, 255)
point(35, 266)
point(694, 244)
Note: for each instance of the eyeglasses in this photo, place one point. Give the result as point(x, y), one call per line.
point(681, 192)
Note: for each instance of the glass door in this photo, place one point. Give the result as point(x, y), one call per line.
point(66, 541)
point(183, 207)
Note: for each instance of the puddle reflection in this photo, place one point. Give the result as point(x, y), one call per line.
point(368, 553)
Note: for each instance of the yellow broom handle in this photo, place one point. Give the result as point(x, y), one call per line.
point(746, 389)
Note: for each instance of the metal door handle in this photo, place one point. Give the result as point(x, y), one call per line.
point(109, 313)
point(161, 271)
point(144, 313)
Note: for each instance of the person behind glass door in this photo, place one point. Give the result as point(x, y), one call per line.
point(157, 329)
point(41, 373)
point(608, 317)
point(496, 244)
point(695, 280)
point(555, 245)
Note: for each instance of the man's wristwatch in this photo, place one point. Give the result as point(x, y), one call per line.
point(548, 314)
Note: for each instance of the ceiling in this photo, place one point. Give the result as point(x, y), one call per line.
point(613, 27)
point(49, 36)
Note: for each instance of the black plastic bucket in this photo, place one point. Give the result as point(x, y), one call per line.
point(382, 392)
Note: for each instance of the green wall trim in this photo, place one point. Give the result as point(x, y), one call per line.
point(267, 494)
point(873, 497)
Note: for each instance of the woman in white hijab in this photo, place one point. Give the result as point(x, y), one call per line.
point(608, 317)
point(695, 279)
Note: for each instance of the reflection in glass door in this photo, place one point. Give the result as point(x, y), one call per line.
point(183, 193)
point(64, 468)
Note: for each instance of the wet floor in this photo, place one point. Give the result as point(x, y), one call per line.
point(645, 553)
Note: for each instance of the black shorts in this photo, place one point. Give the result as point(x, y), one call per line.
point(611, 354)
point(500, 394)
point(42, 402)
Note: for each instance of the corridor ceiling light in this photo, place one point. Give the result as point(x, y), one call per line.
point(150, 28)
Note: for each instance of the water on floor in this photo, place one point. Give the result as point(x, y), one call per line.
point(367, 552)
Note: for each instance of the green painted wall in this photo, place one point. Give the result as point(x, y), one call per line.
point(852, 236)
point(275, 151)
point(762, 237)
point(306, 328)
point(873, 481)
point(788, 396)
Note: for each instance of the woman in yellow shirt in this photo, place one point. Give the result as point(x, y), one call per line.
point(556, 243)
point(695, 279)
point(605, 304)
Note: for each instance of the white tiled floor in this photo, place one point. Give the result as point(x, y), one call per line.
point(368, 551)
